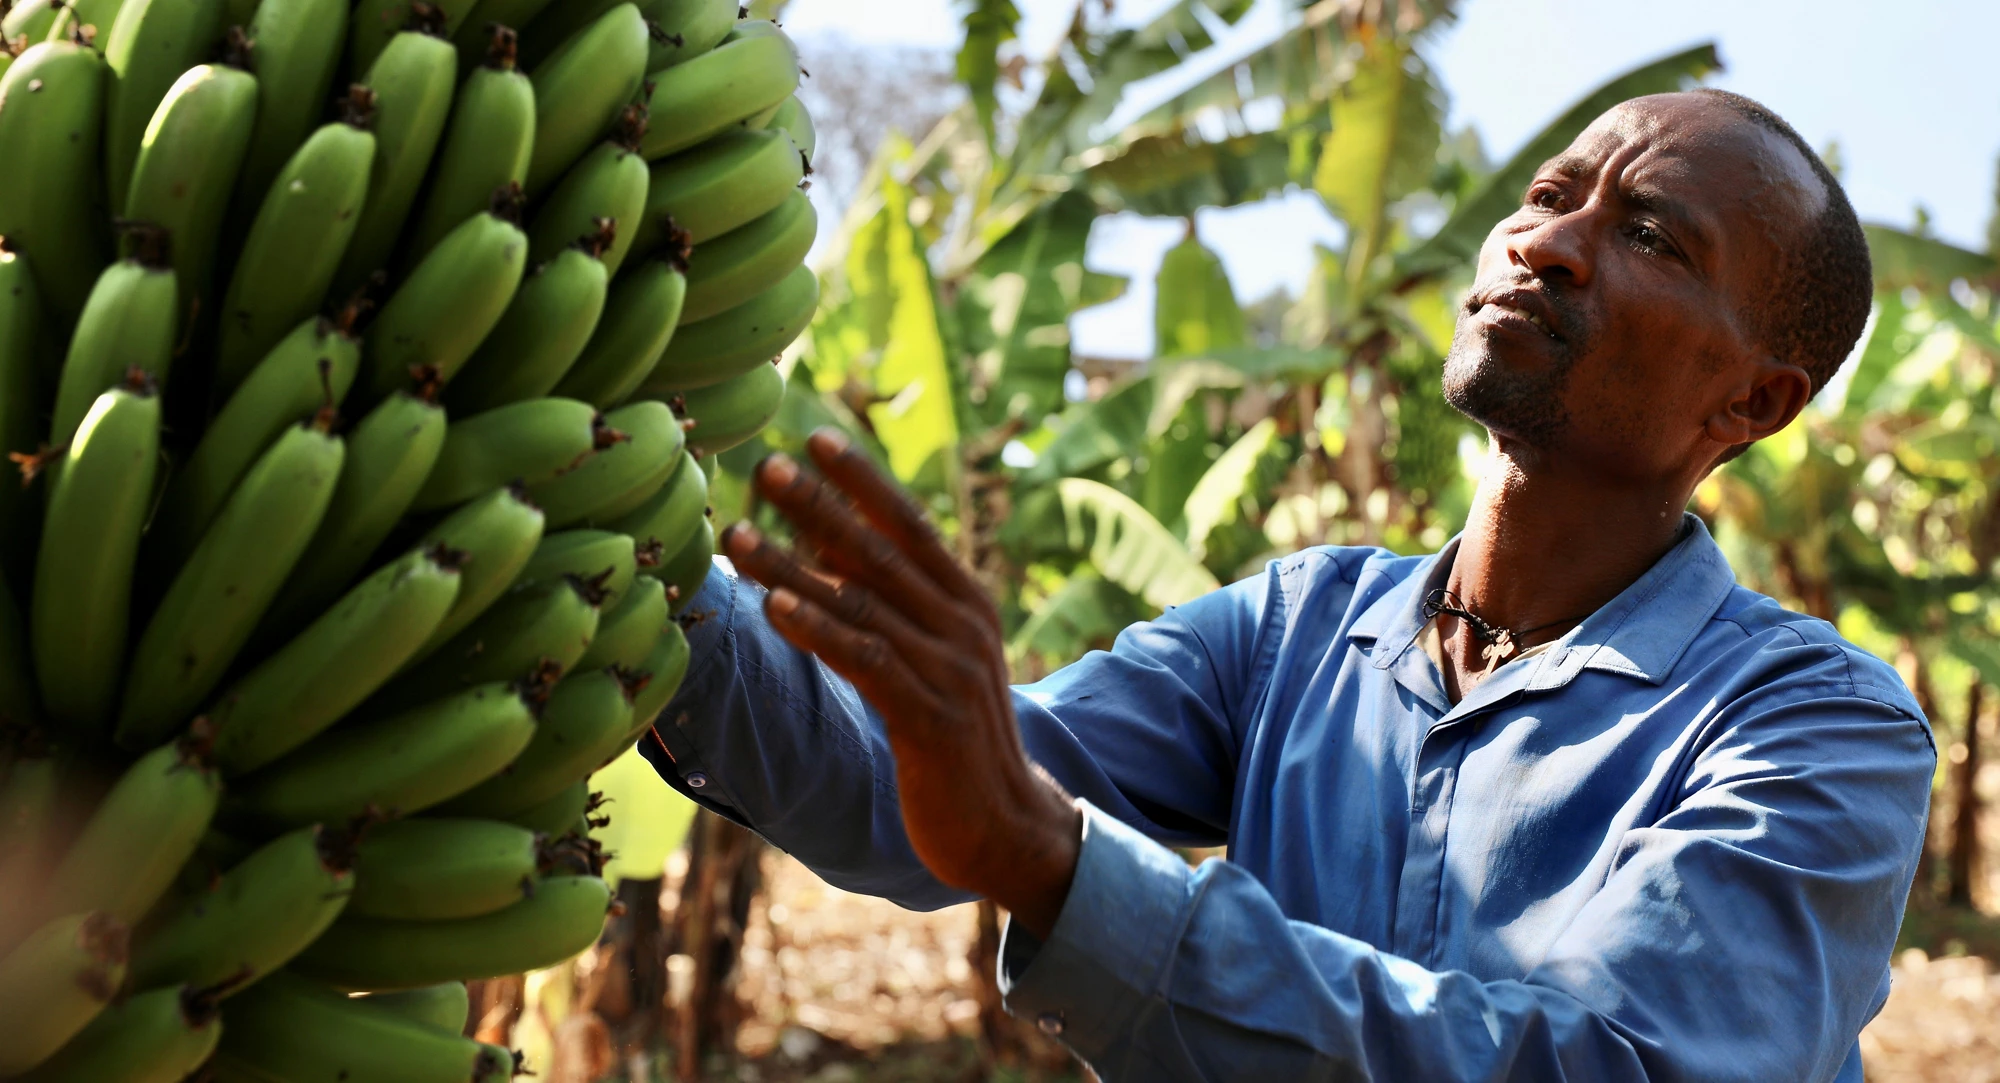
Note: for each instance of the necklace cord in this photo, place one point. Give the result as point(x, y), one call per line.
point(1448, 602)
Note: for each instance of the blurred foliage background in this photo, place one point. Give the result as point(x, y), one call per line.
point(1089, 494)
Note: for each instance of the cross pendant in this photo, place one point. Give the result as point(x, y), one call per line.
point(1497, 652)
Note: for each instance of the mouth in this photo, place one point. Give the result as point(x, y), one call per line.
point(1516, 307)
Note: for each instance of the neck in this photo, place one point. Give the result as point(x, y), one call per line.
point(1544, 545)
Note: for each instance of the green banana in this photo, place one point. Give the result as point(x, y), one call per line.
point(626, 634)
point(128, 324)
point(725, 346)
point(222, 591)
point(728, 413)
point(293, 1029)
point(793, 119)
point(308, 371)
point(563, 917)
point(728, 182)
point(554, 26)
point(530, 441)
point(90, 544)
point(397, 765)
point(435, 870)
point(150, 44)
point(412, 80)
point(52, 192)
point(543, 331)
point(486, 147)
point(664, 523)
point(98, 13)
point(475, 34)
point(581, 88)
point(692, 102)
point(664, 668)
point(536, 633)
point(294, 50)
point(258, 915)
point(609, 183)
point(639, 319)
point(336, 663)
point(688, 569)
point(31, 20)
point(554, 816)
point(497, 534)
point(759, 121)
point(31, 814)
point(295, 243)
point(634, 498)
point(22, 391)
point(744, 263)
point(55, 983)
point(445, 1006)
point(389, 454)
point(186, 172)
point(685, 29)
point(649, 451)
point(158, 1036)
point(442, 312)
point(139, 837)
point(600, 558)
point(377, 23)
point(586, 716)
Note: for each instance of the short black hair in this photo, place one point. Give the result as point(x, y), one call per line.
point(1818, 302)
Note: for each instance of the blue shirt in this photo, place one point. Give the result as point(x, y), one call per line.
point(1674, 847)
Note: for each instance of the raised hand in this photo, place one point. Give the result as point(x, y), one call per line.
point(870, 588)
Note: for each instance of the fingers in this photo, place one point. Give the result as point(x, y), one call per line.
point(890, 508)
point(864, 658)
point(846, 601)
point(839, 539)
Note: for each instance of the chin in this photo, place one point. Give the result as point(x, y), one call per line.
point(1515, 399)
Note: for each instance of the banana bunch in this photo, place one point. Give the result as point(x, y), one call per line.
point(360, 362)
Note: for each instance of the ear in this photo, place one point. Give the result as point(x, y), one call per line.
point(1761, 406)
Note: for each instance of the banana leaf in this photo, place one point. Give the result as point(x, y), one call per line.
point(1904, 259)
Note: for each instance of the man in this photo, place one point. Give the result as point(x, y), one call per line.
point(1560, 802)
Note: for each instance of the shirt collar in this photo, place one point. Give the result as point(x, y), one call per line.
point(1640, 633)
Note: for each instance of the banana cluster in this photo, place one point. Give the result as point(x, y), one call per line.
point(359, 360)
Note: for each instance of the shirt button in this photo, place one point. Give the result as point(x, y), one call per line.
point(1051, 1023)
point(697, 780)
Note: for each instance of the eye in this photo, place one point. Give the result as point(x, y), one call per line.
point(1545, 196)
point(1646, 236)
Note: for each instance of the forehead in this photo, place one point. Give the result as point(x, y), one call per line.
point(1705, 155)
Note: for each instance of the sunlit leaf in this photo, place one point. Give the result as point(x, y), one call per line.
point(1088, 611)
point(988, 24)
point(1458, 240)
point(1386, 126)
point(886, 328)
point(1905, 259)
point(1218, 498)
point(1177, 172)
point(1195, 311)
point(1088, 435)
point(1174, 464)
point(1128, 546)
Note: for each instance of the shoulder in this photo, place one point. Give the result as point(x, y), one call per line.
point(1360, 572)
point(1790, 654)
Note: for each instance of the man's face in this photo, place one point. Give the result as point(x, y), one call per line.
point(1608, 317)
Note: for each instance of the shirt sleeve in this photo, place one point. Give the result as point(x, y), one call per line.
point(1743, 936)
point(768, 736)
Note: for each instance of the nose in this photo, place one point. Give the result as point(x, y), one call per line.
point(1556, 248)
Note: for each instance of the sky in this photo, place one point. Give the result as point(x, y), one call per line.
point(1906, 89)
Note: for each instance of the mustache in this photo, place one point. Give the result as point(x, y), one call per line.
point(1565, 315)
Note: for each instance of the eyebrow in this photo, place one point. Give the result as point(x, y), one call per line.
point(1654, 201)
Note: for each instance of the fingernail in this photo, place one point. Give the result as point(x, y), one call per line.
point(832, 440)
point(741, 539)
point(779, 469)
point(782, 602)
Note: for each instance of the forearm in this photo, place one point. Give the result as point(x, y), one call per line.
point(1156, 972)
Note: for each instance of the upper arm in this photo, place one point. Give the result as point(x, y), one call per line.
point(1767, 900)
point(1150, 730)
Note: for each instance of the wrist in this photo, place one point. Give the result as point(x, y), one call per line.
point(1042, 865)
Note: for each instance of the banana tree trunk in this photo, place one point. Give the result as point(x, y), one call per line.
point(723, 878)
point(1964, 853)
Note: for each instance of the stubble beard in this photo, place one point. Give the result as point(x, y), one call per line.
point(1526, 407)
